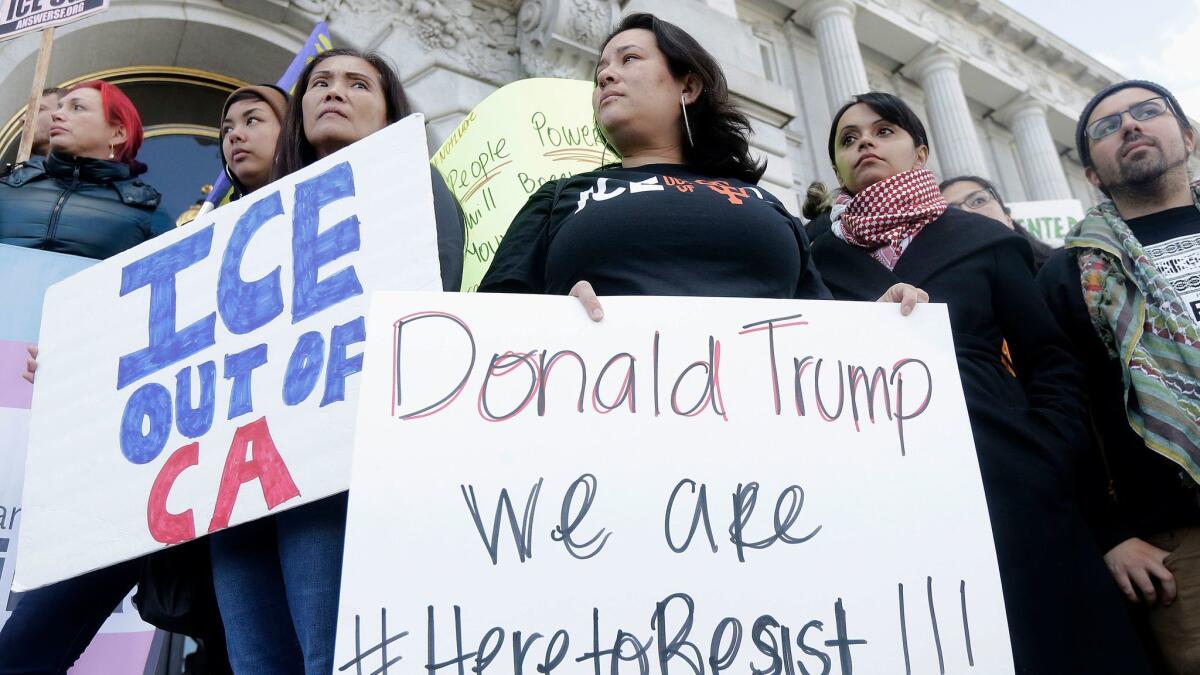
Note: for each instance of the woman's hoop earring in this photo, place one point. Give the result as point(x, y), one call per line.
point(686, 127)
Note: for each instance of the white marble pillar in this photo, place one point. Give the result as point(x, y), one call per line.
point(1041, 165)
point(842, 69)
point(952, 128)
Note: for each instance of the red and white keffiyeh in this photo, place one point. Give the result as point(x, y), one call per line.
point(884, 217)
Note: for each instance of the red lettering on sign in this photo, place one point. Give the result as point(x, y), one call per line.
point(264, 463)
point(167, 527)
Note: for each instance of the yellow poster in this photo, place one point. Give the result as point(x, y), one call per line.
point(525, 134)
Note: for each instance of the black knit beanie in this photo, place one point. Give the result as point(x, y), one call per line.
point(1081, 138)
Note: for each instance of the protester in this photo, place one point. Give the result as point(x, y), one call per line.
point(278, 578)
point(680, 214)
point(972, 193)
point(892, 225)
point(1126, 290)
point(818, 201)
point(250, 124)
point(83, 199)
point(47, 104)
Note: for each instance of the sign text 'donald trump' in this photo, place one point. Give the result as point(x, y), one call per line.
point(690, 486)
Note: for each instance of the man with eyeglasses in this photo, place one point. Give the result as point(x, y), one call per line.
point(1126, 289)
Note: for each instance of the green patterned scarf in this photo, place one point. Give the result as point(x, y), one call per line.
point(1143, 322)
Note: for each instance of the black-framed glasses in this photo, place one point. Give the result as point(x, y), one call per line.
point(975, 201)
point(1110, 124)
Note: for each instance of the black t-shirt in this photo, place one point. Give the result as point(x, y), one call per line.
point(1133, 490)
point(1171, 239)
point(655, 230)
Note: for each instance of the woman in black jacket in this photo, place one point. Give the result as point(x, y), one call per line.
point(681, 213)
point(978, 195)
point(85, 198)
point(890, 225)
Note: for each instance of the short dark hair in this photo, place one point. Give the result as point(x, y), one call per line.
point(720, 132)
point(294, 152)
point(57, 91)
point(981, 182)
point(888, 106)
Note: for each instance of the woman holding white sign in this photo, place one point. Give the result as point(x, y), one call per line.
point(681, 214)
point(278, 578)
point(891, 224)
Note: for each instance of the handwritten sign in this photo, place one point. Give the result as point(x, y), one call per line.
point(18, 17)
point(209, 376)
point(523, 135)
point(691, 486)
point(124, 640)
point(31, 271)
point(1049, 220)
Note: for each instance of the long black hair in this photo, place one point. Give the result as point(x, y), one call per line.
point(293, 151)
point(720, 145)
point(889, 107)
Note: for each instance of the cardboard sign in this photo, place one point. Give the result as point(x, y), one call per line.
point(31, 271)
point(124, 640)
point(1049, 220)
point(18, 17)
point(691, 483)
point(209, 376)
point(521, 136)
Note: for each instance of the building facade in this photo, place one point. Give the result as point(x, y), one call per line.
point(999, 94)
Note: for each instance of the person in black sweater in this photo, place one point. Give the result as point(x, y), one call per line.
point(978, 195)
point(681, 214)
point(892, 225)
point(1126, 290)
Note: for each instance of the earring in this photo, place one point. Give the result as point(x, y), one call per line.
point(686, 127)
point(112, 151)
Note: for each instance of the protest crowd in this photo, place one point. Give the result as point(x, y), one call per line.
point(1080, 365)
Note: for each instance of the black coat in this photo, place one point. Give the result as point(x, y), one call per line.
point(1065, 614)
point(87, 207)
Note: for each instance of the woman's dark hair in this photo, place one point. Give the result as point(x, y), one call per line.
point(817, 200)
point(719, 146)
point(888, 106)
point(981, 182)
point(294, 152)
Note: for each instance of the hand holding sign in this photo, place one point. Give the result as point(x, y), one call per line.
point(219, 371)
point(692, 485)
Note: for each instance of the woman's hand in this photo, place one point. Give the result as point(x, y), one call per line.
point(907, 295)
point(30, 363)
point(587, 297)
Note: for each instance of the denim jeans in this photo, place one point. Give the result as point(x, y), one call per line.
point(51, 626)
point(277, 581)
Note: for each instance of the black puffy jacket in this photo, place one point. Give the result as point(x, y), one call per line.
point(80, 206)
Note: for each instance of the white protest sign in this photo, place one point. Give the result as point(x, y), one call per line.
point(18, 17)
point(692, 484)
point(209, 376)
point(1049, 220)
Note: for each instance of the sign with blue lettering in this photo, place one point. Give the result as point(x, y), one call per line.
point(208, 377)
point(18, 17)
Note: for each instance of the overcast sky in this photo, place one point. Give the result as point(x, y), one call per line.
point(1156, 40)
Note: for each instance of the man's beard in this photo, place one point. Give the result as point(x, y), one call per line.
point(1143, 177)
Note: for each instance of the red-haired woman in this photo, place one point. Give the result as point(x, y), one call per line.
point(83, 199)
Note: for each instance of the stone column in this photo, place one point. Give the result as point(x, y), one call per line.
point(1038, 155)
point(954, 138)
point(842, 69)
